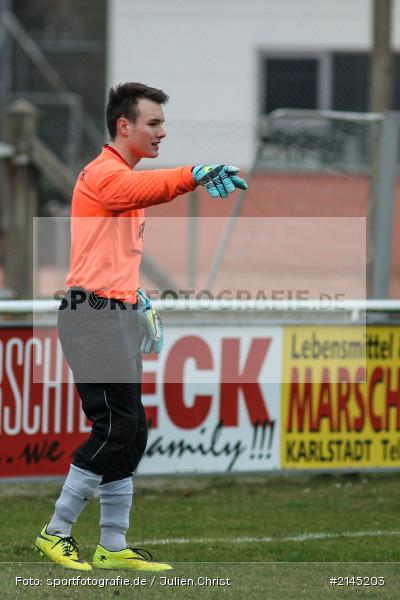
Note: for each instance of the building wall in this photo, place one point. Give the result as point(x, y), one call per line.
point(207, 56)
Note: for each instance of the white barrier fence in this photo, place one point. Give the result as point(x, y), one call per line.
point(356, 309)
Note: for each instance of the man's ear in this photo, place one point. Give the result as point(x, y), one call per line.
point(122, 126)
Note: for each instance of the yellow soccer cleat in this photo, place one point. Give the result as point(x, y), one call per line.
point(129, 558)
point(61, 550)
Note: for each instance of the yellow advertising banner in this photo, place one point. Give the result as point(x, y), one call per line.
point(341, 397)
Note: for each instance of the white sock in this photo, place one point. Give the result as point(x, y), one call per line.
point(78, 489)
point(115, 504)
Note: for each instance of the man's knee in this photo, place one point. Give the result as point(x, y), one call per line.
point(141, 441)
point(123, 431)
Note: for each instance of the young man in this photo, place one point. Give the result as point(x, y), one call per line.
point(105, 321)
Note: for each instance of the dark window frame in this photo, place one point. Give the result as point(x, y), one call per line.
point(323, 59)
point(325, 74)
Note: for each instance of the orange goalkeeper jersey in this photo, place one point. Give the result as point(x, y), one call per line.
point(107, 221)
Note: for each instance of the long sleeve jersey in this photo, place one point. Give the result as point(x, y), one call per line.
point(107, 221)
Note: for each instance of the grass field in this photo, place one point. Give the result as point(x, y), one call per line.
point(274, 537)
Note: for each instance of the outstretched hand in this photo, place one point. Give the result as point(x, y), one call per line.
point(219, 180)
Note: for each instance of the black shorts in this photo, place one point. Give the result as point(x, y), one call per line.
point(119, 433)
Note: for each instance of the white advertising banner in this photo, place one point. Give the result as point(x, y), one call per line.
point(213, 400)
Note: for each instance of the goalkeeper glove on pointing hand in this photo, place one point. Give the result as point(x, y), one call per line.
point(219, 180)
point(151, 329)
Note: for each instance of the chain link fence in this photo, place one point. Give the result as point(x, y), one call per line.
point(317, 181)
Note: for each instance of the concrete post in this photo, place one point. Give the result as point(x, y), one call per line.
point(384, 187)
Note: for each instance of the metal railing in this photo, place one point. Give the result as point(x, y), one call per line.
point(355, 309)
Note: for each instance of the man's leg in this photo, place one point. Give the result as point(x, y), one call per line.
point(55, 540)
point(115, 505)
point(111, 407)
point(79, 487)
point(116, 489)
point(115, 494)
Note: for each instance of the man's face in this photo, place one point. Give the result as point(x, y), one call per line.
point(144, 136)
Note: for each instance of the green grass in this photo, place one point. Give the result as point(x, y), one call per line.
point(213, 512)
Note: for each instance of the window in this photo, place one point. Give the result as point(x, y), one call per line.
point(335, 81)
point(291, 83)
point(350, 82)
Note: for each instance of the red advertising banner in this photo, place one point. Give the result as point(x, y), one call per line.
point(207, 397)
point(41, 424)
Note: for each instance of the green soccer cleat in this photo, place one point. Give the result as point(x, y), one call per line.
point(129, 558)
point(61, 550)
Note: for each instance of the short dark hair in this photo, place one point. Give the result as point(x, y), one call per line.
point(123, 99)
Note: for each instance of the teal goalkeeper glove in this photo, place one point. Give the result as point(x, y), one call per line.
point(151, 328)
point(219, 180)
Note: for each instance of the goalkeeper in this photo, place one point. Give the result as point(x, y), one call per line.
point(106, 321)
